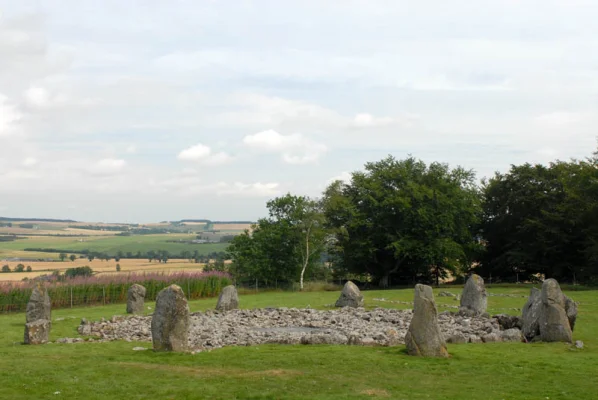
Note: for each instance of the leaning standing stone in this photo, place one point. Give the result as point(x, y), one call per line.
point(423, 337)
point(135, 299)
point(170, 322)
point(531, 315)
point(474, 297)
point(39, 304)
point(228, 299)
point(37, 332)
point(554, 323)
point(350, 296)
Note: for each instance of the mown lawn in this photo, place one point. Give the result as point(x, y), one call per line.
point(475, 371)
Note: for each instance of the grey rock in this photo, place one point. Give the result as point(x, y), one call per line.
point(39, 306)
point(511, 335)
point(228, 299)
point(530, 317)
point(474, 296)
point(350, 296)
point(506, 321)
point(579, 344)
point(491, 337)
point(37, 332)
point(423, 337)
point(446, 294)
point(554, 323)
point(170, 322)
point(571, 310)
point(457, 337)
point(135, 299)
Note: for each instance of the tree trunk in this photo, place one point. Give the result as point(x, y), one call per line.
point(383, 282)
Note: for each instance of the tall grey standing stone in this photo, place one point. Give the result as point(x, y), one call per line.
point(423, 337)
point(554, 323)
point(474, 298)
point(135, 299)
point(350, 296)
point(170, 322)
point(530, 315)
point(39, 306)
point(228, 299)
point(37, 332)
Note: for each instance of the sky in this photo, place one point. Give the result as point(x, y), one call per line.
point(151, 110)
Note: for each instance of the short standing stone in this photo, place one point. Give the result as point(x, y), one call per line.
point(170, 322)
point(39, 304)
point(571, 310)
point(37, 332)
point(228, 299)
point(135, 299)
point(423, 337)
point(554, 323)
point(474, 297)
point(350, 296)
point(530, 316)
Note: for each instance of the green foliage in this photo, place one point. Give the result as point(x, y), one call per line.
point(62, 256)
point(72, 257)
point(543, 220)
point(283, 246)
point(29, 269)
point(117, 267)
point(403, 220)
point(19, 268)
point(5, 268)
point(78, 271)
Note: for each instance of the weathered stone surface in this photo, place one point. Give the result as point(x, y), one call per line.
point(170, 322)
point(530, 316)
point(571, 310)
point(554, 323)
point(39, 306)
point(474, 297)
point(228, 299)
point(506, 321)
point(135, 299)
point(423, 337)
point(350, 296)
point(511, 335)
point(37, 332)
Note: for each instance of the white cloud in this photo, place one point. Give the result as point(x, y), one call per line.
point(344, 176)
point(107, 167)
point(203, 154)
point(8, 116)
point(294, 148)
point(37, 97)
point(131, 149)
point(368, 120)
point(257, 189)
point(559, 118)
point(29, 162)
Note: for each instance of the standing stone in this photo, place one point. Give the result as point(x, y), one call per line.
point(37, 332)
point(423, 337)
point(554, 323)
point(135, 299)
point(39, 306)
point(350, 296)
point(474, 298)
point(170, 322)
point(571, 310)
point(530, 315)
point(228, 299)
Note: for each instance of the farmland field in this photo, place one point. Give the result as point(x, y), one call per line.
point(110, 244)
point(474, 371)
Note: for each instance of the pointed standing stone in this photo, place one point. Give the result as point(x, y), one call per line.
point(228, 299)
point(135, 299)
point(530, 315)
point(423, 337)
point(350, 296)
point(554, 322)
point(474, 298)
point(170, 322)
point(39, 306)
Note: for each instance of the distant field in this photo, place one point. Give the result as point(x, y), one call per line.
point(127, 265)
point(231, 227)
point(110, 244)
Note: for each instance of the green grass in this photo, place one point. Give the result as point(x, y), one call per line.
point(112, 244)
point(474, 371)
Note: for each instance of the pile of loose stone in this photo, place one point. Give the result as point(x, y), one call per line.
point(548, 315)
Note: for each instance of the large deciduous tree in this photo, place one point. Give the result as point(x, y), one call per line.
point(402, 220)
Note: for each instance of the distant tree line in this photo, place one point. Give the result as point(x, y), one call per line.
point(403, 221)
point(152, 255)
